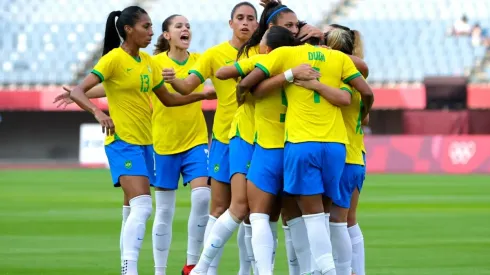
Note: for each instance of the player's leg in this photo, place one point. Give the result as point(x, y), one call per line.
point(240, 160)
point(309, 185)
point(125, 213)
point(129, 170)
point(167, 170)
point(341, 242)
point(355, 233)
point(219, 173)
point(264, 184)
point(274, 218)
point(240, 154)
point(195, 172)
point(292, 216)
point(245, 264)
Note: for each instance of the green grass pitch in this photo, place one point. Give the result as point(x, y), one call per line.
point(67, 222)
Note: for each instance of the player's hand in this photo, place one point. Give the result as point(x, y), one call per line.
point(308, 31)
point(305, 72)
point(240, 95)
point(63, 99)
point(264, 3)
point(307, 84)
point(168, 75)
point(106, 122)
point(210, 95)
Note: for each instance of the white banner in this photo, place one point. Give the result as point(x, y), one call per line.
point(92, 153)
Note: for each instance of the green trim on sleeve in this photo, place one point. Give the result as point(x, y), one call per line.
point(264, 69)
point(98, 74)
point(348, 79)
point(347, 89)
point(159, 85)
point(198, 75)
point(239, 69)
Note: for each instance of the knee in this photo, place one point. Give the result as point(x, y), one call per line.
point(240, 209)
point(141, 207)
point(200, 197)
point(218, 210)
point(351, 219)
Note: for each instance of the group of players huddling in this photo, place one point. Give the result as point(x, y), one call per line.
point(287, 138)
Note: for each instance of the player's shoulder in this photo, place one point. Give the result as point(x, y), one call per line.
point(145, 56)
point(217, 48)
point(194, 56)
point(160, 57)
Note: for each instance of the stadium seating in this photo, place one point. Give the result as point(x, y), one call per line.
point(47, 41)
point(406, 40)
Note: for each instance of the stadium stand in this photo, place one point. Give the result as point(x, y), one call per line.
point(406, 40)
point(54, 41)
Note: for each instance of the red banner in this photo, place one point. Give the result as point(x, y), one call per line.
point(401, 97)
point(428, 154)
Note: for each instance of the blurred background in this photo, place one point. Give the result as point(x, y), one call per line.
point(430, 72)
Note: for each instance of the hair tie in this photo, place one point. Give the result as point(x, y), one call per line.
point(275, 13)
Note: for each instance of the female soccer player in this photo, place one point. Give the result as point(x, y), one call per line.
point(315, 135)
point(266, 165)
point(180, 141)
point(128, 75)
point(349, 42)
point(243, 22)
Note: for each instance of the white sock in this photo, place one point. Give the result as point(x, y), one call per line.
point(248, 245)
point(222, 231)
point(327, 222)
point(273, 226)
point(341, 247)
point(162, 229)
point(262, 242)
point(242, 249)
point(320, 245)
point(301, 246)
point(358, 260)
point(213, 268)
point(291, 255)
point(198, 218)
point(125, 213)
point(134, 232)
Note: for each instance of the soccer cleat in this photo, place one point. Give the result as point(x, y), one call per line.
point(187, 269)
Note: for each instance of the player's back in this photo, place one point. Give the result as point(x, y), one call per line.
point(309, 116)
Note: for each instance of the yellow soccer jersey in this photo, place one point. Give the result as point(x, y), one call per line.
point(352, 120)
point(177, 129)
point(210, 61)
point(127, 82)
point(310, 117)
point(243, 124)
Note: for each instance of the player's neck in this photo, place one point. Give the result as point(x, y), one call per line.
point(180, 55)
point(236, 43)
point(132, 50)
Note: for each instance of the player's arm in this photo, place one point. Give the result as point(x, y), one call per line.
point(365, 121)
point(79, 96)
point(227, 72)
point(366, 94)
point(63, 99)
point(182, 86)
point(171, 99)
point(301, 72)
point(307, 31)
point(336, 96)
point(360, 65)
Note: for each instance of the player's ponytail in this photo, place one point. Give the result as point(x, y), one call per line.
point(270, 15)
point(278, 36)
point(163, 44)
point(114, 28)
point(358, 44)
point(111, 38)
